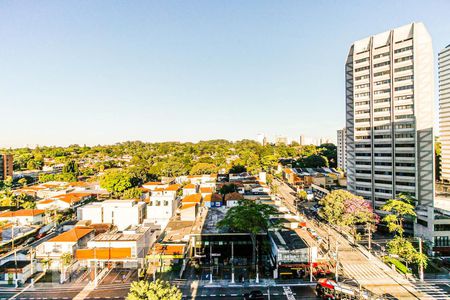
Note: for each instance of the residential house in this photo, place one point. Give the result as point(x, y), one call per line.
point(24, 216)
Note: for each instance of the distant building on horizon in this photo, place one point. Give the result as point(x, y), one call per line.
point(6, 165)
point(341, 151)
point(261, 138)
point(281, 140)
point(389, 116)
point(444, 111)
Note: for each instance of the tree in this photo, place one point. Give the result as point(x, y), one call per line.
point(228, 188)
point(302, 195)
point(115, 181)
point(330, 152)
point(66, 260)
point(157, 290)
point(237, 169)
point(343, 208)
point(313, 161)
point(22, 181)
point(203, 168)
point(249, 217)
point(132, 193)
point(71, 167)
point(399, 209)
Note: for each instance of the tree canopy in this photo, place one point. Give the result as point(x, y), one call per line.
point(248, 217)
point(157, 290)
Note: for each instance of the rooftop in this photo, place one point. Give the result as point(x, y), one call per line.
point(287, 240)
point(22, 213)
point(73, 235)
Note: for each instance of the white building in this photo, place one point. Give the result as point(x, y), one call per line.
point(126, 248)
point(444, 110)
point(389, 115)
point(341, 152)
point(23, 217)
point(120, 213)
point(66, 242)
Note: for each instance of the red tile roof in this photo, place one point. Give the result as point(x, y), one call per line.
point(72, 235)
point(22, 213)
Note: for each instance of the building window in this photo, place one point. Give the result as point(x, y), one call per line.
point(405, 183)
point(360, 112)
point(381, 73)
point(362, 103)
point(402, 164)
point(362, 69)
point(404, 174)
point(362, 120)
point(441, 241)
point(382, 136)
point(383, 154)
point(404, 136)
point(383, 191)
point(385, 63)
point(403, 49)
point(407, 97)
point(382, 91)
point(404, 126)
point(441, 227)
point(402, 78)
point(404, 117)
point(403, 58)
point(382, 109)
point(406, 68)
point(382, 100)
point(405, 87)
point(381, 55)
point(382, 118)
point(361, 60)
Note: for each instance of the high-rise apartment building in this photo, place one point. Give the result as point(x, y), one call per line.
point(341, 151)
point(6, 165)
point(389, 115)
point(444, 111)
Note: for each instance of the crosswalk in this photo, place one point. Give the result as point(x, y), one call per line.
point(432, 290)
point(369, 274)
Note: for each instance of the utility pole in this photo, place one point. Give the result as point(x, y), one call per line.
point(257, 262)
point(210, 263)
point(421, 263)
point(232, 262)
point(15, 253)
point(337, 261)
point(310, 265)
point(370, 236)
point(32, 266)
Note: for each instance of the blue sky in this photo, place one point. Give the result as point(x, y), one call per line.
point(96, 72)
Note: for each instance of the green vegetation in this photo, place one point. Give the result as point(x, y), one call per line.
point(399, 210)
point(172, 158)
point(343, 208)
point(398, 264)
point(157, 290)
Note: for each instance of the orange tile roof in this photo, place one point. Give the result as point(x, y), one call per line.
point(22, 213)
point(173, 187)
point(194, 198)
point(73, 235)
point(153, 183)
point(167, 249)
point(159, 190)
point(46, 201)
point(188, 205)
point(80, 183)
point(207, 198)
point(190, 186)
point(71, 197)
point(206, 190)
point(103, 253)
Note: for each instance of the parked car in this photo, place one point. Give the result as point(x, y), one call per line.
point(258, 295)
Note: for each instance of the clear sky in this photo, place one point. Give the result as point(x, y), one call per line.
point(96, 72)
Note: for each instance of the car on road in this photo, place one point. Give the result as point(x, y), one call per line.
point(258, 295)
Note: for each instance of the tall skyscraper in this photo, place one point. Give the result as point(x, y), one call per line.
point(341, 151)
point(444, 111)
point(389, 115)
point(6, 165)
